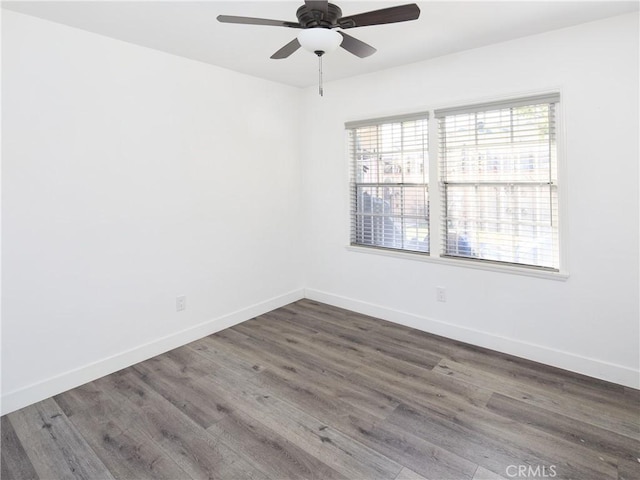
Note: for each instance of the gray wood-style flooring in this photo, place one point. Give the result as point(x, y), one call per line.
point(313, 391)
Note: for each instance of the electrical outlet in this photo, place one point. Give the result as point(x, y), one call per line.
point(441, 294)
point(181, 303)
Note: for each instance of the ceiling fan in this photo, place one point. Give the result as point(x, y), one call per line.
point(317, 21)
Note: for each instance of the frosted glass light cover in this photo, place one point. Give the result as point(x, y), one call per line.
point(319, 39)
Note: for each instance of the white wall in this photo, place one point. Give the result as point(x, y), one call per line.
point(131, 176)
point(588, 323)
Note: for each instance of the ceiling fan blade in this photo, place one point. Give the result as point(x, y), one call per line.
point(322, 5)
point(355, 46)
point(287, 50)
point(257, 21)
point(401, 13)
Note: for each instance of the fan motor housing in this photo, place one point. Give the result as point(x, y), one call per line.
point(309, 18)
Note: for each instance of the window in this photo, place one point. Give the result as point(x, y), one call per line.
point(389, 186)
point(498, 182)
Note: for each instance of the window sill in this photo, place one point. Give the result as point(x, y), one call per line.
point(491, 267)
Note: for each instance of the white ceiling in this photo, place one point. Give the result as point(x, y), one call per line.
point(190, 29)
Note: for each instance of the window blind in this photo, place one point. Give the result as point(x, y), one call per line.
point(498, 182)
point(389, 183)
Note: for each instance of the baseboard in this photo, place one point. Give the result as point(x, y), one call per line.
point(568, 361)
point(619, 374)
point(39, 391)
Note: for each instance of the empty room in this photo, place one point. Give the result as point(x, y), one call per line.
point(307, 240)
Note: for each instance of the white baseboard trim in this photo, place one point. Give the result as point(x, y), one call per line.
point(17, 399)
point(20, 398)
point(568, 361)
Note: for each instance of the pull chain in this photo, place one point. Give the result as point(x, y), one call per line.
point(320, 89)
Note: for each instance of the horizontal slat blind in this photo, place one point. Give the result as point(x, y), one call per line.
point(498, 179)
point(499, 104)
point(389, 183)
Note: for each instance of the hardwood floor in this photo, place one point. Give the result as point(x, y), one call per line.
point(313, 391)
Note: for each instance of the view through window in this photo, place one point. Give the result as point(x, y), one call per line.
point(497, 179)
point(499, 191)
point(389, 192)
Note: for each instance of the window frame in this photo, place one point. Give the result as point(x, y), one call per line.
point(469, 136)
point(403, 186)
point(435, 257)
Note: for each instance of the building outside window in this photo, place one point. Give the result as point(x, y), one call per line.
point(389, 189)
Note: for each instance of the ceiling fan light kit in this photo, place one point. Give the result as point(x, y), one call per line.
point(319, 18)
point(321, 40)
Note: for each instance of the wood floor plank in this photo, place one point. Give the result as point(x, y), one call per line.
point(536, 374)
point(428, 389)
point(631, 394)
point(306, 394)
point(15, 461)
point(197, 452)
point(217, 350)
point(346, 349)
point(252, 341)
point(495, 443)
point(420, 453)
point(525, 373)
point(559, 384)
point(324, 312)
point(491, 453)
point(193, 398)
point(308, 397)
point(296, 362)
point(53, 444)
point(628, 469)
point(522, 372)
point(286, 321)
point(406, 474)
point(273, 454)
point(370, 344)
point(351, 327)
point(285, 332)
point(599, 440)
point(336, 356)
point(326, 320)
point(187, 362)
point(125, 450)
point(272, 353)
point(484, 474)
point(624, 421)
point(340, 355)
point(440, 346)
point(87, 397)
point(313, 435)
